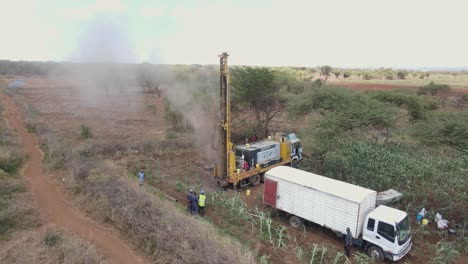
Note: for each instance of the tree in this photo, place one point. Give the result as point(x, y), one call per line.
point(343, 113)
point(461, 101)
point(172, 115)
point(401, 75)
point(346, 75)
point(256, 89)
point(337, 74)
point(433, 89)
point(326, 70)
point(444, 128)
point(149, 85)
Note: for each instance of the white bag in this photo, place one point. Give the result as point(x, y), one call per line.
point(423, 212)
point(438, 217)
point(442, 224)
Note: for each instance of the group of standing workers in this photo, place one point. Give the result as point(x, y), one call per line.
point(196, 203)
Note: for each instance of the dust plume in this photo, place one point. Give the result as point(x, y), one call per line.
point(106, 79)
point(192, 91)
point(102, 79)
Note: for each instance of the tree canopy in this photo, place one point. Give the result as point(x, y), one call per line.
point(256, 88)
point(444, 128)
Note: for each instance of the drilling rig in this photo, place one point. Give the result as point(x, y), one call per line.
point(246, 164)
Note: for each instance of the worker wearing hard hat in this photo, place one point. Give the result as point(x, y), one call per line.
point(201, 203)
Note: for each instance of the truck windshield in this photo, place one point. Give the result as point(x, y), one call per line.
point(404, 231)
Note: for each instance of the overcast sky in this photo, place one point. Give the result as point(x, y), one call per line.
point(341, 33)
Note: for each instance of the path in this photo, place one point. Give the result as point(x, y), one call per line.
point(51, 199)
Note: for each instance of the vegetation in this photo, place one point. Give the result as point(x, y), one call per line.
point(256, 89)
point(85, 132)
point(149, 221)
point(444, 128)
point(326, 71)
point(433, 89)
point(51, 246)
point(357, 136)
point(173, 116)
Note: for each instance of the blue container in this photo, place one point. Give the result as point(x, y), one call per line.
point(419, 217)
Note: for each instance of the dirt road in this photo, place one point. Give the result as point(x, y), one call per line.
point(51, 200)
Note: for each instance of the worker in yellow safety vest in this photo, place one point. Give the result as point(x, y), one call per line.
point(201, 203)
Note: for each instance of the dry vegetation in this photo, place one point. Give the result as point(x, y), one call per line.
point(162, 231)
point(23, 239)
point(47, 246)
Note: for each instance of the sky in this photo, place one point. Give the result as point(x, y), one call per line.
point(340, 33)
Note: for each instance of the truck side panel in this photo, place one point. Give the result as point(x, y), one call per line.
point(340, 214)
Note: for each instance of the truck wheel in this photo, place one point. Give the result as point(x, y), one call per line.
point(296, 222)
point(375, 253)
point(255, 180)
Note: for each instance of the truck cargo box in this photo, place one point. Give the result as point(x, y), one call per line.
point(330, 203)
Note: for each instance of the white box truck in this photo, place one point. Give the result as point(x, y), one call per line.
point(383, 232)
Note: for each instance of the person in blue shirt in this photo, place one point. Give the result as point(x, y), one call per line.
point(141, 177)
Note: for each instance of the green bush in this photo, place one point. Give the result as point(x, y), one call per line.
point(444, 128)
point(433, 88)
point(51, 238)
point(171, 134)
point(85, 132)
point(10, 160)
point(415, 107)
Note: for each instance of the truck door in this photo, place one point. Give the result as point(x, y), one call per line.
point(269, 194)
point(385, 236)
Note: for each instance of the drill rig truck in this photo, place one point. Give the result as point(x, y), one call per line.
point(246, 164)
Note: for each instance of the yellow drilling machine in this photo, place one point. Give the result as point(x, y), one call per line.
point(246, 164)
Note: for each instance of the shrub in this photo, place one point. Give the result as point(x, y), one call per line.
point(433, 88)
point(51, 238)
point(346, 74)
point(413, 105)
point(10, 160)
point(171, 134)
point(402, 75)
point(85, 132)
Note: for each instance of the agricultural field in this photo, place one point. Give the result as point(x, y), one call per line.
point(97, 131)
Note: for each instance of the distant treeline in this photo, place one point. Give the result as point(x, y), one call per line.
point(27, 67)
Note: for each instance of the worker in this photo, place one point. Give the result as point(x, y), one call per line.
point(201, 203)
point(141, 177)
point(245, 166)
point(246, 140)
point(348, 242)
point(189, 200)
point(194, 204)
point(254, 138)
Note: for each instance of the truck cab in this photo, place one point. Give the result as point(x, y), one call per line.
point(387, 233)
point(296, 147)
